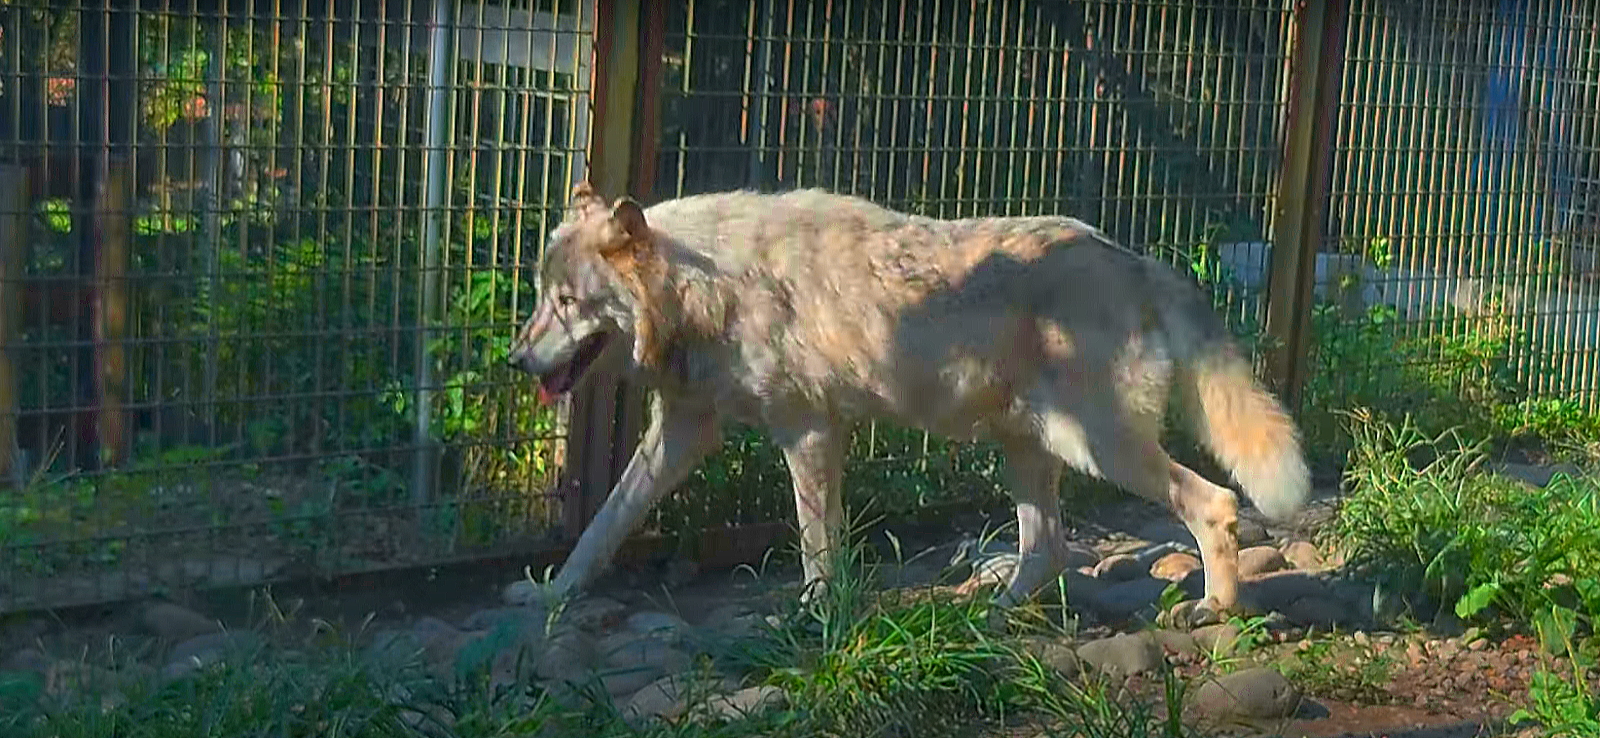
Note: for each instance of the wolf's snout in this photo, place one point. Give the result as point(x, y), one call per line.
point(517, 359)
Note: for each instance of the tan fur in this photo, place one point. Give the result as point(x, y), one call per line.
point(806, 311)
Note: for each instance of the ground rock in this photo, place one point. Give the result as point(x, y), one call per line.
point(1130, 598)
point(1119, 568)
point(1218, 640)
point(1173, 567)
point(1254, 693)
point(1258, 560)
point(1302, 555)
point(1123, 655)
point(174, 622)
point(746, 702)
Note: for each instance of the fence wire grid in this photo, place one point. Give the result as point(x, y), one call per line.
point(267, 285)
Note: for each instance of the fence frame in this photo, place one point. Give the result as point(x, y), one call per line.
point(1316, 67)
point(606, 410)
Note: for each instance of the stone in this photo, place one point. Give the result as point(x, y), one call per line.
point(731, 622)
point(1320, 611)
point(1119, 568)
point(660, 624)
point(1274, 592)
point(1302, 555)
point(746, 702)
point(1177, 642)
point(1252, 533)
point(1257, 693)
point(1173, 567)
point(175, 623)
point(993, 570)
point(1130, 598)
point(1123, 655)
point(567, 655)
point(1077, 554)
point(1168, 530)
point(1217, 640)
point(1055, 654)
point(668, 697)
point(627, 650)
point(518, 617)
point(595, 614)
point(212, 647)
point(1258, 560)
point(1081, 589)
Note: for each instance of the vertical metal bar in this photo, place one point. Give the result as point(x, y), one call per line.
point(594, 416)
point(14, 221)
point(437, 135)
point(1303, 190)
point(641, 182)
point(756, 177)
point(113, 225)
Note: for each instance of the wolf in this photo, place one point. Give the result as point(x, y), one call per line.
point(804, 312)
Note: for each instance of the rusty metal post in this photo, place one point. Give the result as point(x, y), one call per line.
point(14, 220)
point(1303, 190)
point(113, 225)
point(599, 405)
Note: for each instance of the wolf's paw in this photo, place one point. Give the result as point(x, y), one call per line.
point(1191, 614)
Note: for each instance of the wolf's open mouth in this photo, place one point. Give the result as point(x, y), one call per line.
point(561, 380)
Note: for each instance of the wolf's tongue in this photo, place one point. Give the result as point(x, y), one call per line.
point(545, 398)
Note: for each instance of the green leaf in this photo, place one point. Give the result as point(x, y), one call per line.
point(1475, 600)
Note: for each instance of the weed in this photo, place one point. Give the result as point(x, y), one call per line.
point(1420, 516)
point(1318, 669)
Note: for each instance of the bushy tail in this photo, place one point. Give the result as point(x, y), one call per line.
point(1246, 428)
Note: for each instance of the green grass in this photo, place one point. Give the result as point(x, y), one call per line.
point(1422, 516)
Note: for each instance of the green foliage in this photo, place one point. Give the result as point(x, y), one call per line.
point(1421, 515)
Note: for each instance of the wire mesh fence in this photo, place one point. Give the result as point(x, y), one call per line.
point(266, 285)
point(1158, 122)
point(1459, 274)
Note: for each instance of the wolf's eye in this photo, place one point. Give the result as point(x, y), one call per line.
point(566, 300)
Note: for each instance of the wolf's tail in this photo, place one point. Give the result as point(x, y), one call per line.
point(1230, 413)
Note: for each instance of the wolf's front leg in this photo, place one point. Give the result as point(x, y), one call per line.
point(676, 440)
point(814, 451)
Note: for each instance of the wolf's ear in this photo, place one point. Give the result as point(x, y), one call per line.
point(584, 199)
point(630, 218)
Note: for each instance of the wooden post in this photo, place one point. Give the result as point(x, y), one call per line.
point(606, 412)
point(1303, 190)
point(14, 220)
point(113, 225)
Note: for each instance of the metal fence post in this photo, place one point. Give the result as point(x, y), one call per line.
point(113, 225)
point(14, 220)
point(603, 409)
point(441, 29)
point(1303, 190)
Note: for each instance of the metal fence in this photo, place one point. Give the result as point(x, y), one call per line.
point(262, 267)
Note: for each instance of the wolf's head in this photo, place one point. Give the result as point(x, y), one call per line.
point(599, 269)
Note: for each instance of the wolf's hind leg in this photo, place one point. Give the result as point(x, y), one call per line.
point(1032, 477)
point(1100, 438)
